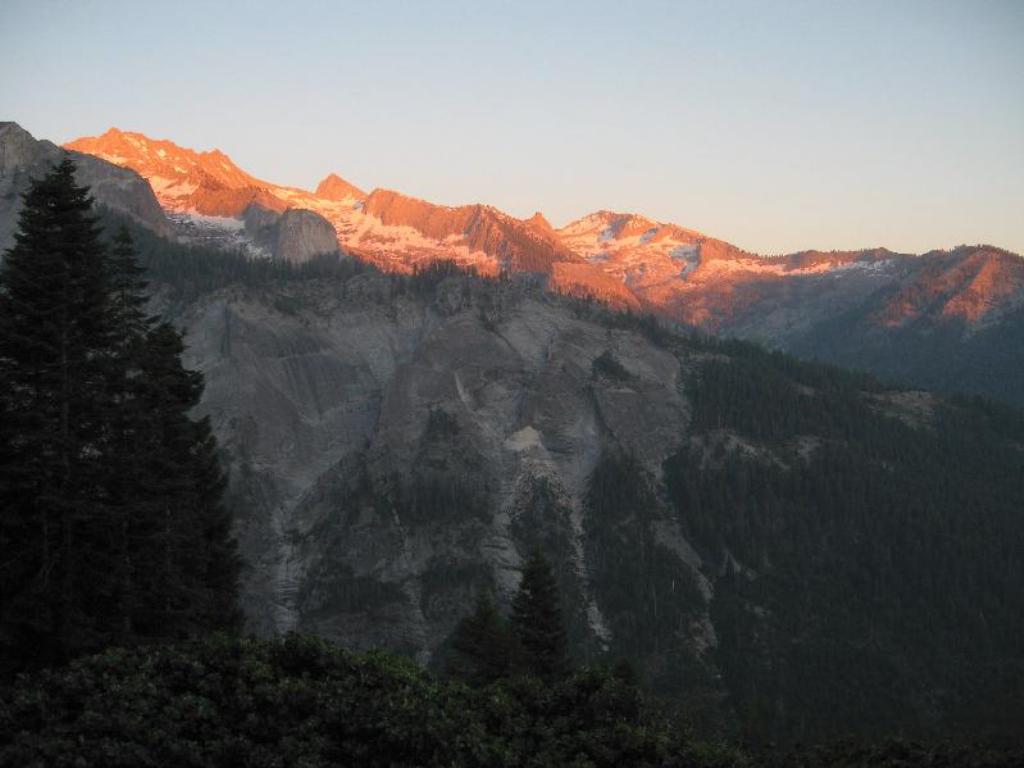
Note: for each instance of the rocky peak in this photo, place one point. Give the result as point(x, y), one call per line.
point(437, 221)
point(539, 221)
point(183, 179)
point(333, 187)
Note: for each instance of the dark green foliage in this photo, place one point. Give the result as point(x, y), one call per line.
point(591, 718)
point(482, 644)
point(230, 702)
point(659, 331)
point(645, 591)
point(771, 396)
point(55, 331)
point(110, 493)
point(426, 279)
point(544, 521)
point(122, 449)
point(127, 286)
point(647, 594)
point(227, 702)
point(435, 498)
point(890, 754)
point(869, 582)
point(537, 621)
point(302, 702)
point(191, 566)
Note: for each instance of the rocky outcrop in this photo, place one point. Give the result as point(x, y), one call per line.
point(23, 158)
point(261, 225)
point(295, 236)
point(301, 235)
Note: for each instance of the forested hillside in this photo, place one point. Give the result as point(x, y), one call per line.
point(868, 545)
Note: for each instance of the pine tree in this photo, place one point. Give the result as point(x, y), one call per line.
point(537, 621)
point(128, 298)
point(483, 644)
point(54, 331)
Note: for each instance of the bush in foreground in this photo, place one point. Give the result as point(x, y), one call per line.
point(302, 702)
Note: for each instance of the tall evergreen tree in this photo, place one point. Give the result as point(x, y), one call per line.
point(130, 327)
point(192, 565)
point(537, 621)
point(482, 644)
point(128, 298)
point(54, 331)
point(112, 526)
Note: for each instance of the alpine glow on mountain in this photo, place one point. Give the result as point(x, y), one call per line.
point(625, 259)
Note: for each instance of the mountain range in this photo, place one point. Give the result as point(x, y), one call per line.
point(947, 319)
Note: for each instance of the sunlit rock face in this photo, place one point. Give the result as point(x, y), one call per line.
point(335, 188)
point(213, 202)
point(625, 259)
point(207, 183)
point(23, 158)
point(394, 231)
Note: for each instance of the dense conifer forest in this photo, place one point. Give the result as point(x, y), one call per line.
point(887, 569)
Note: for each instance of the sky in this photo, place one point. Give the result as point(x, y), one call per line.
point(778, 126)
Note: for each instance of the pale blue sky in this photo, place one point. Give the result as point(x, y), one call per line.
point(775, 125)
